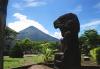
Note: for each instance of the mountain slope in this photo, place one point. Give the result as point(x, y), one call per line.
point(35, 34)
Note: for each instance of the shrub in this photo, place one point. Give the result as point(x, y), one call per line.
point(47, 52)
point(98, 55)
point(16, 51)
point(95, 53)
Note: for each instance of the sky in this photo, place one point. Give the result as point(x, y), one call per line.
point(42, 13)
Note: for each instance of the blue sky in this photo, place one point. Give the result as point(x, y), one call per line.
point(42, 13)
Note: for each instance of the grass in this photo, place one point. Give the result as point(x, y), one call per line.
point(17, 62)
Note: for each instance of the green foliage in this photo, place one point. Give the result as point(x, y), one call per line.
point(95, 53)
point(47, 52)
point(16, 51)
point(35, 46)
point(10, 34)
point(88, 40)
point(26, 45)
point(91, 36)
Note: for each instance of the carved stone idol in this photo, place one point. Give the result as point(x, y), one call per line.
point(69, 27)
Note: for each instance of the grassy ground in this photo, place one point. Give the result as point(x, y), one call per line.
point(17, 62)
point(32, 59)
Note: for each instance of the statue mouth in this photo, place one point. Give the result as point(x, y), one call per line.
point(58, 24)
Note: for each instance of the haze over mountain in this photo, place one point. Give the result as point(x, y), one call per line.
point(35, 34)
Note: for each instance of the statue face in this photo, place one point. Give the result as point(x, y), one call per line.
point(58, 24)
point(64, 26)
point(63, 22)
point(68, 22)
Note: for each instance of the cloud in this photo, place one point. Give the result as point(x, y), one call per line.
point(77, 9)
point(57, 35)
point(99, 32)
point(97, 5)
point(23, 22)
point(92, 24)
point(28, 3)
point(17, 6)
point(34, 3)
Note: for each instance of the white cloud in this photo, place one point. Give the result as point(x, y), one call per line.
point(97, 5)
point(17, 6)
point(28, 3)
point(29, 0)
point(34, 3)
point(92, 24)
point(58, 35)
point(77, 9)
point(99, 32)
point(23, 22)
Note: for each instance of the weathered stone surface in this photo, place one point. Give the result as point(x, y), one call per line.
point(69, 27)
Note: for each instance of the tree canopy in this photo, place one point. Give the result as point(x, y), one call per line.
point(89, 40)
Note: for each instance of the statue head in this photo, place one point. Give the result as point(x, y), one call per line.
point(66, 23)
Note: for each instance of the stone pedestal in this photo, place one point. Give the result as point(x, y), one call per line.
point(58, 60)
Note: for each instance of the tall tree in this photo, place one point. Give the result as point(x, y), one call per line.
point(10, 39)
point(91, 37)
point(88, 40)
point(3, 13)
point(10, 34)
point(26, 45)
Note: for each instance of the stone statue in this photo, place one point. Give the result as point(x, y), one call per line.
point(69, 27)
point(3, 13)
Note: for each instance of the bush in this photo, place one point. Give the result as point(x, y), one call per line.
point(16, 51)
point(98, 56)
point(47, 52)
point(95, 53)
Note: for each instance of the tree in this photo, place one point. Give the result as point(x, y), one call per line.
point(91, 37)
point(36, 47)
point(10, 36)
point(26, 45)
point(98, 41)
point(83, 46)
point(88, 40)
point(16, 51)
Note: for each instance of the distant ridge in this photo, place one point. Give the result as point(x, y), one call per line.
point(35, 34)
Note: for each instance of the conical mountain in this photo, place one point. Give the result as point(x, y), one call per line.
point(35, 34)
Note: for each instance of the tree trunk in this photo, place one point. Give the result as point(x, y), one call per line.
point(3, 13)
